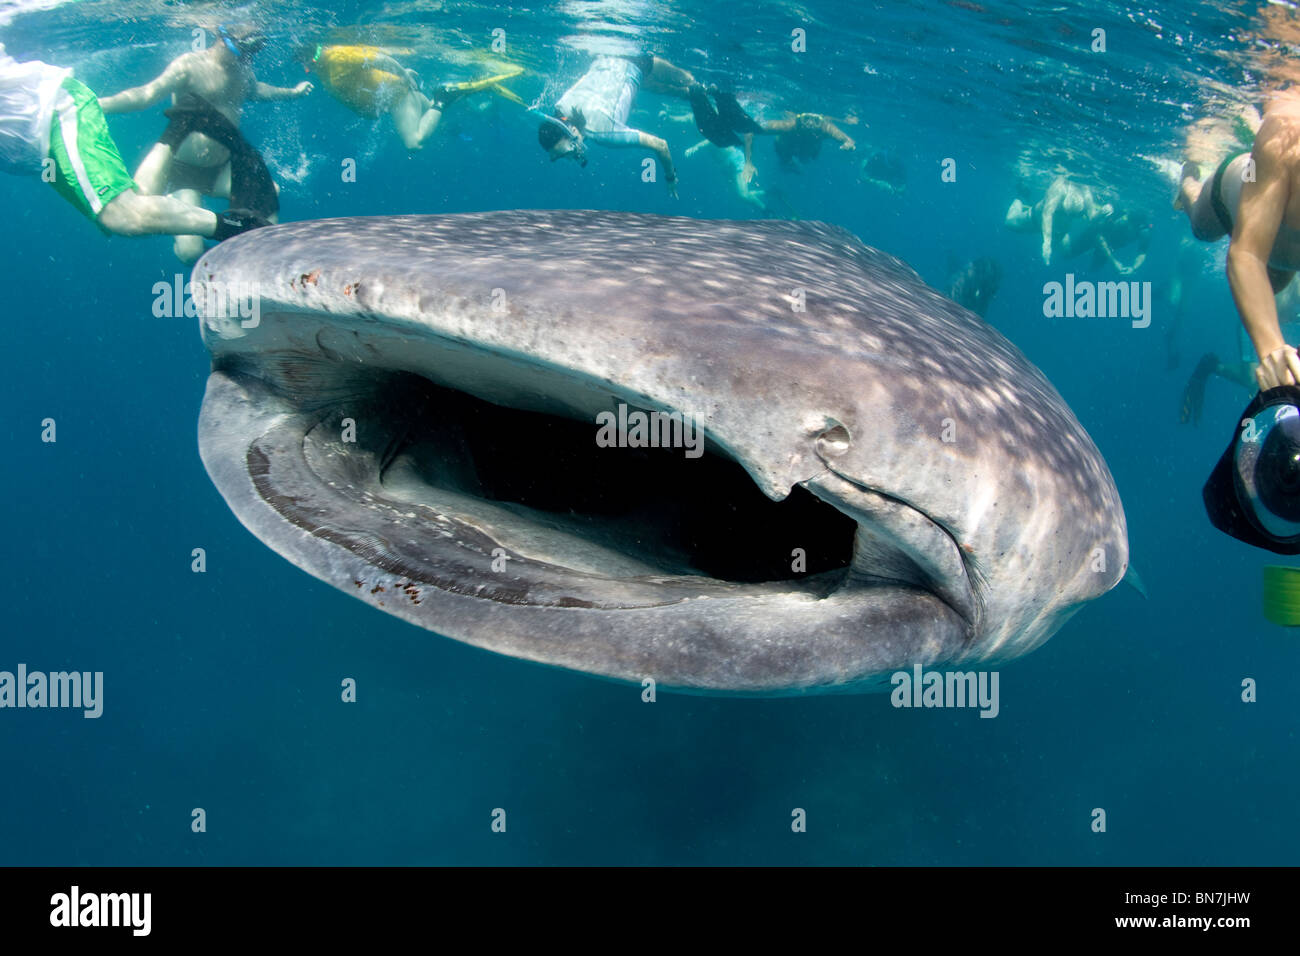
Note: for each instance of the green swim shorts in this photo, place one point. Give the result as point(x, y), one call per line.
point(88, 169)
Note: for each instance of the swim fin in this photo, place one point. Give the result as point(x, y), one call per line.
point(501, 91)
point(448, 93)
point(1194, 392)
point(1282, 595)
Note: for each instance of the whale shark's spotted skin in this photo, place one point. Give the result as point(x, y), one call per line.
point(986, 513)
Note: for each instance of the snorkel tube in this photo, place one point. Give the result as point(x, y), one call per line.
point(571, 132)
point(246, 46)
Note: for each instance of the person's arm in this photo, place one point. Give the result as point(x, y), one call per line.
point(1259, 216)
point(172, 80)
point(264, 91)
point(779, 126)
point(660, 149)
point(1050, 204)
point(1114, 259)
point(837, 134)
point(747, 171)
point(1122, 269)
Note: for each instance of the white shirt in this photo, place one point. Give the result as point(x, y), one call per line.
point(603, 96)
point(28, 92)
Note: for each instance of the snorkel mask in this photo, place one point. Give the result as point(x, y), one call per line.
point(577, 149)
point(1253, 494)
point(244, 47)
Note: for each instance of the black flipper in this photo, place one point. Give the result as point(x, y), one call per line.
point(234, 221)
point(1194, 393)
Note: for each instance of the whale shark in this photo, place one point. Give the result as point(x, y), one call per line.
point(882, 480)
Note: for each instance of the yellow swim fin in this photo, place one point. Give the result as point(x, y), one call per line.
point(512, 97)
point(473, 86)
point(1282, 595)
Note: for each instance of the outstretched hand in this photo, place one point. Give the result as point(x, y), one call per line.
point(1279, 367)
point(303, 88)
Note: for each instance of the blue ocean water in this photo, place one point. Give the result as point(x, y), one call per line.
point(222, 688)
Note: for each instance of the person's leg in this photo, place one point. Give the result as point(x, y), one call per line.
point(221, 184)
point(133, 214)
point(1020, 217)
point(415, 119)
point(664, 78)
point(154, 170)
point(1198, 203)
point(188, 246)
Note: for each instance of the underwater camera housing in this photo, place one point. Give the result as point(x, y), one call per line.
point(1253, 493)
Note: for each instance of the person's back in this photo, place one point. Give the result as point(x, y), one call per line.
point(1279, 135)
point(223, 83)
point(603, 96)
point(361, 77)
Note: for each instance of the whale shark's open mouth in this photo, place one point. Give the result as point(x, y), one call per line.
point(544, 488)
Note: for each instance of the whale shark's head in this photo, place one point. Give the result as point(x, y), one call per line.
point(460, 420)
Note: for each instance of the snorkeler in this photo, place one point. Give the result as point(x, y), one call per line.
point(1064, 207)
point(1252, 197)
point(885, 170)
point(51, 126)
point(596, 109)
point(974, 285)
point(202, 152)
point(800, 137)
point(368, 81)
point(1105, 234)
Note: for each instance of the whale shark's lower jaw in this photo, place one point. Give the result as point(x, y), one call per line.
point(514, 530)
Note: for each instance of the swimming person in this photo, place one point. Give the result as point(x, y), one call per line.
point(974, 285)
point(1064, 208)
point(1252, 197)
point(202, 152)
point(368, 81)
point(800, 137)
point(51, 126)
point(596, 109)
point(1107, 233)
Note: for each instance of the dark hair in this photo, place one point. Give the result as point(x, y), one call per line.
point(548, 134)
